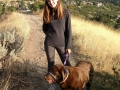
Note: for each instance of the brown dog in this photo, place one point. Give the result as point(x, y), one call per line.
point(71, 78)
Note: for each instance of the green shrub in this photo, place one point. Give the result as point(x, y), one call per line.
point(41, 5)
point(34, 6)
point(11, 8)
point(10, 41)
point(1, 8)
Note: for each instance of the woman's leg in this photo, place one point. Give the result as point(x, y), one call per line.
point(62, 54)
point(50, 53)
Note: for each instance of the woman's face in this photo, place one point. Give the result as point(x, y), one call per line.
point(52, 3)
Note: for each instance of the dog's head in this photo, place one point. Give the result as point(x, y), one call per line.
point(56, 74)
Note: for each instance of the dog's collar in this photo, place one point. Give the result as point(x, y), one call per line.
point(66, 76)
point(53, 75)
point(66, 70)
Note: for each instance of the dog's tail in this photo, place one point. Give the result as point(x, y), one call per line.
point(91, 75)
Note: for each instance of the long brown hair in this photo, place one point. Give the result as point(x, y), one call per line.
point(49, 12)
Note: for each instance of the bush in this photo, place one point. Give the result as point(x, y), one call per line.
point(1, 8)
point(41, 5)
point(12, 8)
point(34, 6)
point(37, 5)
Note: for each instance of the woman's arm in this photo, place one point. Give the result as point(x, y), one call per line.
point(68, 32)
point(44, 27)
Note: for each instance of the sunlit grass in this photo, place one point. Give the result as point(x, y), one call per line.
point(14, 30)
point(98, 42)
point(18, 21)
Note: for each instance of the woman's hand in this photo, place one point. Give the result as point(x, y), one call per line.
point(68, 51)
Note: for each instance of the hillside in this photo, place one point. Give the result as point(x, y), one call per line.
point(91, 41)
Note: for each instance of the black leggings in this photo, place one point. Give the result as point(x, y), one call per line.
point(50, 53)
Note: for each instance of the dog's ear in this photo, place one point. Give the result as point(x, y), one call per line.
point(62, 72)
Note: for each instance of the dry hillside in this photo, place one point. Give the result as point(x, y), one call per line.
point(94, 43)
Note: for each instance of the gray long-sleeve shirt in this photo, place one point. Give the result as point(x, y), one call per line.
point(58, 31)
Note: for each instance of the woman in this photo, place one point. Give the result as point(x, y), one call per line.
point(57, 28)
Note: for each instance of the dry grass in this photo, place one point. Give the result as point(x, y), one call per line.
point(14, 30)
point(98, 42)
point(18, 76)
point(15, 20)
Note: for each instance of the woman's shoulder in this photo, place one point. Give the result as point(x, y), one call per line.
point(66, 11)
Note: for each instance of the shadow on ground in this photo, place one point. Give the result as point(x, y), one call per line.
point(105, 81)
point(24, 75)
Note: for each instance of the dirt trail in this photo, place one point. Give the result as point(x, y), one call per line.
point(34, 49)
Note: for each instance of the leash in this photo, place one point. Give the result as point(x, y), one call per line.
point(66, 58)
